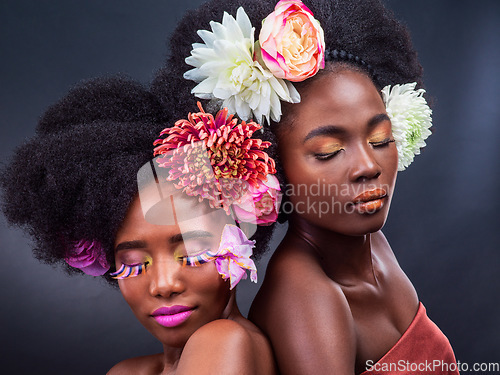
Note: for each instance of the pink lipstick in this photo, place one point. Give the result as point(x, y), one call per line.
point(172, 316)
point(370, 201)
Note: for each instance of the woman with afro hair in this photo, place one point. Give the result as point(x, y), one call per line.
point(87, 189)
point(340, 87)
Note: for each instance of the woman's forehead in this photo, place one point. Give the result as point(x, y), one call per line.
point(166, 205)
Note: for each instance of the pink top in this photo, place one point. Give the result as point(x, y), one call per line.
point(423, 349)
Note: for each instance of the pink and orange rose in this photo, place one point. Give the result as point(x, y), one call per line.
point(292, 44)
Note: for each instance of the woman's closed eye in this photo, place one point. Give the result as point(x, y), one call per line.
point(198, 260)
point(130, 270)
point(195, 251)
point(195, 258)
point(323, 156)
point(382, 143)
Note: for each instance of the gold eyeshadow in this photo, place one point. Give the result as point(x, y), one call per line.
point(328, 150)
point(381, 137)
point(325, 148)
point(179, 253)
point(182, 252)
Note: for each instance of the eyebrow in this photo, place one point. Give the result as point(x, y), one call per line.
point(180, 237)
point(127, 245)
point(333, 130)
point(330, 130)
point(378, 119)
point(190, 235)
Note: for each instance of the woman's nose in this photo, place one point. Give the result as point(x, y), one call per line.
point(165, 280)
point(364, 165)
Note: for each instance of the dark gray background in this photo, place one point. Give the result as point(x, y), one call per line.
point(443, 224)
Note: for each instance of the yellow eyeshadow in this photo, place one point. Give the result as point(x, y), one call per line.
point(380, 137)
point(179, 253)
point(328, 149)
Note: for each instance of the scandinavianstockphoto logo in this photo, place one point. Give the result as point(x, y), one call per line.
point(324, 199)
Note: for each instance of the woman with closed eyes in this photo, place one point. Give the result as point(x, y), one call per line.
point(88, 190)
point(167, 273)
point(340, 87)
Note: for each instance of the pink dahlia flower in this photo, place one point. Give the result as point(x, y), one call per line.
point(214, 158)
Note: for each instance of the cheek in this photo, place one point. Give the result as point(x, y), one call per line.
point(303, 171)
point(209, 290)
point(314, 183)
point(208, 283)
point(389, 162)
point(134, 291)
point(297, 167)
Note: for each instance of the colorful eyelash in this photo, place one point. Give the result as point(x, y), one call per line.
point(127, 271)
point(198, 260)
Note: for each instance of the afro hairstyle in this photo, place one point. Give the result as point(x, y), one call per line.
point(76, 177)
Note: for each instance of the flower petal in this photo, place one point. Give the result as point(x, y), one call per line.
point(224, 68)
point(244, 22)
point(411, 120)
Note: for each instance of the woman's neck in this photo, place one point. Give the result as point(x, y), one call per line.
point(344, 258)
point(171, 357)
point(232, 312)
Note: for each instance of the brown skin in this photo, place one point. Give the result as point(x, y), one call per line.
point(334, 295)
point(216, 338)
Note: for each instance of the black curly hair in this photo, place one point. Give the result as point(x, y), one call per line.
point(361, 35)
point(76, 177)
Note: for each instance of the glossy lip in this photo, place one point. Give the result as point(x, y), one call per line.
point(172, 316)
point(370, 195)
point(370, 201)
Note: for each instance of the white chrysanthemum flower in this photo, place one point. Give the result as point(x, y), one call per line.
point(226, 70)
point(411, 120)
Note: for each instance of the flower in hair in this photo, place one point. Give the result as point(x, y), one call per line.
point(226, 68)
point(260, 205)
point(89, 256)
point(292, 42)
point(411, 120)
point(214, 158)
point(233, 257)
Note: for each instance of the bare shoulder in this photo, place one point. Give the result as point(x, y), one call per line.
point(148, 364)
point(227, 347)
point(294, 305)
point(224, 332)
point(295, 277)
